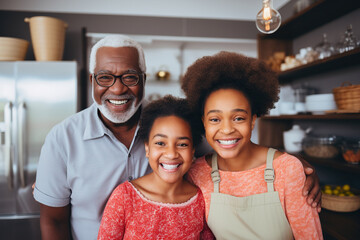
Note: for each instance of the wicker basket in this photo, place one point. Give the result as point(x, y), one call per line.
point(13, 49)
point(347, 96)
point(340, 203)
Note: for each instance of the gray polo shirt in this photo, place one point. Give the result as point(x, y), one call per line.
point(81, 162)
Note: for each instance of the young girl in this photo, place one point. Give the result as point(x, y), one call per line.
point(250, 191)
point(162, 204)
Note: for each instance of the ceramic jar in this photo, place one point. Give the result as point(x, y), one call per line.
point(293, 139)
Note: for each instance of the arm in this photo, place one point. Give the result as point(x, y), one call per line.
point(52, 191)
point(55, 222)
point(311, 188)
point(304, 220)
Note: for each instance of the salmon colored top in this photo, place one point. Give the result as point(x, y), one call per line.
point(129, 215)
point(289, 182)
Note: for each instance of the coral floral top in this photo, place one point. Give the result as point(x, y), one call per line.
point(129, 215)
point(289, 181)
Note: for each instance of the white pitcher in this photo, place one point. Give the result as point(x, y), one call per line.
point(293, 139)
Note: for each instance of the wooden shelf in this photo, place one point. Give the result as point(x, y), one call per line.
point(335, 225)
point(314, 16)
point(334, 163)
point(350, 116)
point(339, 225)
point(345, 59)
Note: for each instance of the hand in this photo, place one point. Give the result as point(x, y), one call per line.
point(311, 188)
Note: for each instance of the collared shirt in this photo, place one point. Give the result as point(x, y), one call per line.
point(81, 163)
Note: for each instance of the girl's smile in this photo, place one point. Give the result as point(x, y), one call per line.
point(228, 143)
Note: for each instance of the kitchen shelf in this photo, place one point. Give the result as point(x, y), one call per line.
point(334, 163)
point(340, 225)
point(270, 128)
point(334, 62)
point(350, 116)
point(150, 39)
point(314, 16)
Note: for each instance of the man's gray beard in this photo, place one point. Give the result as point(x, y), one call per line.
point(117, 117)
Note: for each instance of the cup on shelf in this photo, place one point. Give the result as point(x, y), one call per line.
point(287, 108)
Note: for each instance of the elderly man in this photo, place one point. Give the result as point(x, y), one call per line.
point(91, 152)
point(87, 155)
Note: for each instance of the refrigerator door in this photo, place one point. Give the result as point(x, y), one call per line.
point(45, 95)
point(34, 96)
point(7, 99)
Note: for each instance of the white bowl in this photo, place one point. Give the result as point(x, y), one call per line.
point(319, 103)
point(320, 97)
point(320, 107)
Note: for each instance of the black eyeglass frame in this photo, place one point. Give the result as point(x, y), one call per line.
point(141, 76)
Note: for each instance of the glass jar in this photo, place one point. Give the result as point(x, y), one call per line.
point(350, 148)
point(324, 48)
point(350, 41)
point(321, 146)
point(347, 42)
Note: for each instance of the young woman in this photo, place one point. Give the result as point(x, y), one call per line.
point(250, 191)
point(162, 204)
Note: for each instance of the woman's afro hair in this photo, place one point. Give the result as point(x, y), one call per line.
point(164, 107)
point(226, 70)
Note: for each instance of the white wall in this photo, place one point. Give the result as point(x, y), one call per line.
point(209, 9)
point(168, 55)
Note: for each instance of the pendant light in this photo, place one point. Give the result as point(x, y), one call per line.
point(268, 20)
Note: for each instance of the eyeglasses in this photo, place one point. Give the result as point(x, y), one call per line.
point(107, 79)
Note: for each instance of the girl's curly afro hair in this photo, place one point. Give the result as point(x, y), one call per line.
point(226, 70)
point(164, 107)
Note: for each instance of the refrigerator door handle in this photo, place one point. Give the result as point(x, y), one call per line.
point(22, 137)
point(8, 141)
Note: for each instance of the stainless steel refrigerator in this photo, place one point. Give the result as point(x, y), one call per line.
point(34, 96)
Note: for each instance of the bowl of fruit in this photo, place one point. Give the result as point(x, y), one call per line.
point(340, 198)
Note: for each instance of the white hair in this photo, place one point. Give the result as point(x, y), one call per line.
point(116, 40)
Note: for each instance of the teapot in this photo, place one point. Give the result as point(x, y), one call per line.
point(293, 139)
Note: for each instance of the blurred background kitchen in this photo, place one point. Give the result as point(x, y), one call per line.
point(316, 51)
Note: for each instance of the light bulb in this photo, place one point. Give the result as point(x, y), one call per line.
point(268, 20)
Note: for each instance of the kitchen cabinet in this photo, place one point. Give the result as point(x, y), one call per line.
point(348, 228)
point(316, 15)
point(271, 128)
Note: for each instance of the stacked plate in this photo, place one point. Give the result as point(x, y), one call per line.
point(319, 103)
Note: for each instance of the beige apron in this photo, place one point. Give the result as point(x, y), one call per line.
point(259, 216)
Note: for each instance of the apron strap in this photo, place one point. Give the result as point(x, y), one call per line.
point(269, 174)
point(215, 175)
